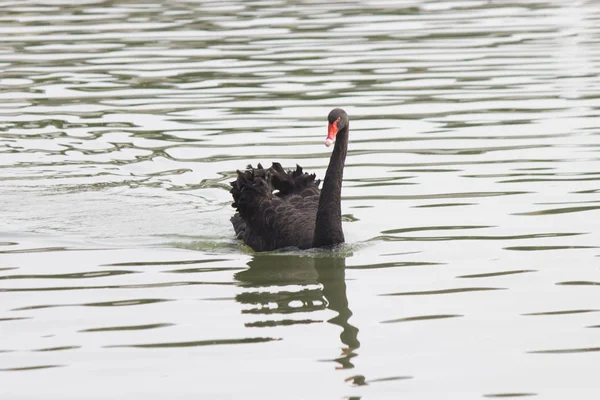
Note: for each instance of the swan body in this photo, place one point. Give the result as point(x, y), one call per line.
point(278, 208)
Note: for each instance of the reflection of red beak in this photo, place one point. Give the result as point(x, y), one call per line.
point(332, 130)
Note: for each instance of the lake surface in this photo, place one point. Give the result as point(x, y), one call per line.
point(471, 199)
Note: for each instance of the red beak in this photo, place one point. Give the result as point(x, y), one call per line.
point(332, 130)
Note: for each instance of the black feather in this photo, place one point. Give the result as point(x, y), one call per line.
point(268, 221)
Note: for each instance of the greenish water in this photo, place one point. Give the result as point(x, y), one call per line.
point(470, 199)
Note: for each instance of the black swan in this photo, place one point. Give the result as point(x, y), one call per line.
point(278, 208)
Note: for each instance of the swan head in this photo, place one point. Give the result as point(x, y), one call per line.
point(338, 120)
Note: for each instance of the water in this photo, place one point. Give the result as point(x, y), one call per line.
point(470, 199)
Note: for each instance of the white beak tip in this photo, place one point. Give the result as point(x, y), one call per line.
point(328, 142)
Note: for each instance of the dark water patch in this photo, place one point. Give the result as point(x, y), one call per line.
point(455, 151)
point(422, 318)
point(567, 202)
point(509, 395)
point(375, 181)
point(61, 348)
point(30, 368)
point(467, 195)
point(243, 158)
point(8, 269)
point(361, 380)
point(134, 286)
point(65, 187)
point(218, 298)
point(225, 245)
point(393, 265)
point(545, 248)
point(405, 253)
point(443, 291)
point(390, 378)
point(199, 343)
point(535, 169)
point(14, 319)
point(9, 244)
point(435, 228)
point(293, 255)
point(579, 283)
point(455, 125)
point(500, 273)
point(201, 270)
point(426, 170)
point(285, 322)
point(41, 250)
point(564, 210)
point(283, 302)
point(382, 184)
point(549, 180)
point(357, 380)
point(152, 263)
point(564, 312)
point(127, 328)
point(567, 351)
point(349, 218)
point(590, 191)
point(507, 175)
point(80, 275)
point(389, 238)
point(444, 205)
point(100, 187)
point(470, 162)
point(539, 177)
point(120, 303)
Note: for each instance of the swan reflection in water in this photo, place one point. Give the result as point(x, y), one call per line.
point(273, 270)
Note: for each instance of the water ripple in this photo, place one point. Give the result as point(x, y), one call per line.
point(568, 351)
point(197, 343)
point(443, 291)
point(127, 328)
point(422, 318)
point(30, 368)
point(119, 303)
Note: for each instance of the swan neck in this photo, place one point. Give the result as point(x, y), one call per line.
point(328, 227)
